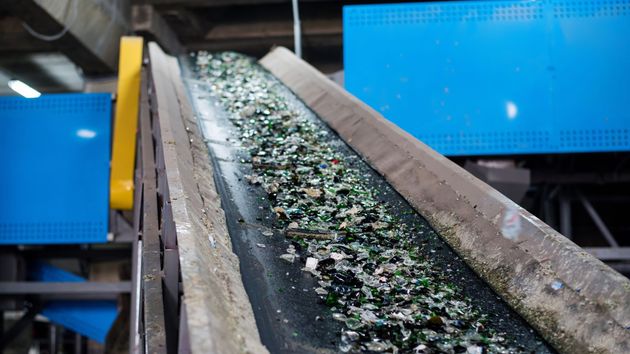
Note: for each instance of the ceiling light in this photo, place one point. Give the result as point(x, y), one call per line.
point(23, 89)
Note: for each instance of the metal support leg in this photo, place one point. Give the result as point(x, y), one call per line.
point(53, 339)
point(19, 326)
point(78, 343)
point(136, 295)
point(598, 221)
point(548, 195)
point(565, 214)
point(1, 325)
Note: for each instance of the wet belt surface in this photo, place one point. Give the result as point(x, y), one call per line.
point(332, 258)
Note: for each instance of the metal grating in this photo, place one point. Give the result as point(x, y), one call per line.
point(568, 9)
point(442, 13)
point(55, 177)
point(59, 231)
point(57, 104)
point(496, 77)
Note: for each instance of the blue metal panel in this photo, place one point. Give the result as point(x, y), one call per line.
point(54, 180)
point(496, 77)
point(91, 318)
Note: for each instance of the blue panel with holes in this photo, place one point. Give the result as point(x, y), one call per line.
point(54, 179)
point(496, 77)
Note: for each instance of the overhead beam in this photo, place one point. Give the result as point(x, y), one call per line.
point(273, 29)
point(89, 32)
point(217, 3)
point(147, 22)
point(258, 37)
point(189, 23)
point(326, 44)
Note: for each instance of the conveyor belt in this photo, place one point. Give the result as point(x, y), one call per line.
point(291, 317)
point(578, 304)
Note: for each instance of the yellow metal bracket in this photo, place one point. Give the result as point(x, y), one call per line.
point(125, 123)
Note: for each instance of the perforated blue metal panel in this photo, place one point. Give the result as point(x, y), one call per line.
point(54, 179)
point(496, 77)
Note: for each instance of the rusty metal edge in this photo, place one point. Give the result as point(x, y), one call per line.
point(219, 315)
point(577, 303)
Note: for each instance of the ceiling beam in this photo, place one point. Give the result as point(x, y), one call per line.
point(321, 45)
point(275, 29)
point(149, 23)
point(92, 31)
point(186, 22)
point(217, 3)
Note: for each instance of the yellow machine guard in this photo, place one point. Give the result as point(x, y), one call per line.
point(126, 123)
